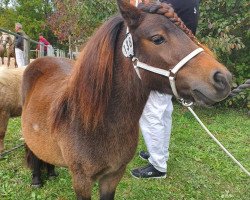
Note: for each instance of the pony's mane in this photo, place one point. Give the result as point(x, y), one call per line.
point(91, 80)
point(90, 85)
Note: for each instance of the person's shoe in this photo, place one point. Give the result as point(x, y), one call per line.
point(147, 172)
point(144, 155)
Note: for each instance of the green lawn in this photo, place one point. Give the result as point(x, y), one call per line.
point(197, 168)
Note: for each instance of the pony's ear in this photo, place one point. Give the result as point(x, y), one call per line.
point(130, 13)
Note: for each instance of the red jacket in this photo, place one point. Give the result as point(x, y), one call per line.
point(45, 42)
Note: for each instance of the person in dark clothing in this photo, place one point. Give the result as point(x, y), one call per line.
point(187, 10)
point(19, 45)
point(156, 119)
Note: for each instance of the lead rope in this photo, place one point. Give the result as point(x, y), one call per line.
point(11, 150)
point(213, 137)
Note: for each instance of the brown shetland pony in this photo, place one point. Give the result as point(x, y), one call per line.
point(85, 115)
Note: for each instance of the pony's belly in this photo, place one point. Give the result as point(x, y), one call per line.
point(42, 144)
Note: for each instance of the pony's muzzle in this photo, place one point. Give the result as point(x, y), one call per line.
point(215, 90)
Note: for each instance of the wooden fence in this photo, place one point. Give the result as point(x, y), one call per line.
point(51, 51)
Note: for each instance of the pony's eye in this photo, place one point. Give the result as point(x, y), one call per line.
point(158, 39)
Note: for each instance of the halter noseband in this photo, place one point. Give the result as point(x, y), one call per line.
point(128, 51)
point(171, 74)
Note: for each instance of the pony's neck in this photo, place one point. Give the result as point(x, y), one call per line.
point(128, 96)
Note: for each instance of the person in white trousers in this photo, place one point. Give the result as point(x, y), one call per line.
point(19, 45)
point(155, 123)
point(156, 119)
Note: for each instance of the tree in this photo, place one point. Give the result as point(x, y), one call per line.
point(79, 18)
point(223, 26)
point(31, 14)
point(7, 18)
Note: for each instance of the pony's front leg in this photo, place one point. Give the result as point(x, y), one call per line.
point(8, 62)
point(15, 63)
point(4, 118)
point(108, 184)
point(82, 185)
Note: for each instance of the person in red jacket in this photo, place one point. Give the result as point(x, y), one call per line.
point(45, 42)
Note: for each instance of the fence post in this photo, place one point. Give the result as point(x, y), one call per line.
point(41, 49)
point(57, 52)
point(50, 50)
point(70, 47)
point(26, 46)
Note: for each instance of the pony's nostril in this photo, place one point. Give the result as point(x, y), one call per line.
point(220, 80)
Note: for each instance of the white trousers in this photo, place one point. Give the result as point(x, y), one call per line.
point(19, 57)
point(156, 123)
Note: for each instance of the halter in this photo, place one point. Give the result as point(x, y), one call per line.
point(171, 74)
point(128, 51)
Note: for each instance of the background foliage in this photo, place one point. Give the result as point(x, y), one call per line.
point(223, 26)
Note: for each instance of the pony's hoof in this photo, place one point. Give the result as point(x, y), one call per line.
point(36, 185)
point(36, 182)
point(53, 175)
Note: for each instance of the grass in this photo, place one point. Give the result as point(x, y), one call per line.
point(197, 168)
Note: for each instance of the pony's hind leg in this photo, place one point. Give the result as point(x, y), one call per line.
point(35, 164)
point(108, 184)
point(51, 171)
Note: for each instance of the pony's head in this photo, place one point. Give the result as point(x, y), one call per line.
point(5, 39)
point(162, 40)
